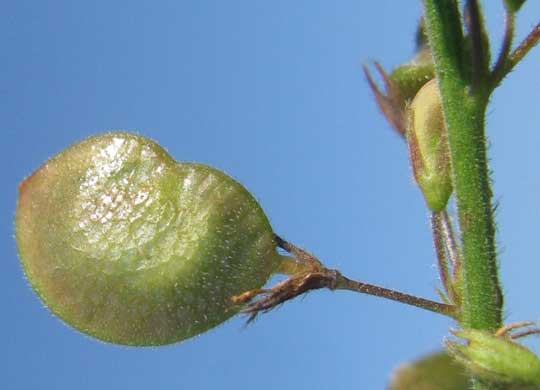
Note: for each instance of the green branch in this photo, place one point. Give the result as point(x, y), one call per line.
point(464, 106)
point(464, 111)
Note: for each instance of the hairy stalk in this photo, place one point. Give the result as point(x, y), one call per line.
point(440, 251)
point(499, 70)
point(524, 47)
point(307, 273)
point(464, 110)
point(311, 268)
point(344, 283)
point(464, 115)
point(451, 244)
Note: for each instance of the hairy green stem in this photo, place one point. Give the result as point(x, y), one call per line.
point(464, 112)
point(464, 109)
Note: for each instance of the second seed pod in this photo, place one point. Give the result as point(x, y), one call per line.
point(428, 146)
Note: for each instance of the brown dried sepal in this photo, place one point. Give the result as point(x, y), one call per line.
point(311, 275)
point(283, 291)
point(390, 103)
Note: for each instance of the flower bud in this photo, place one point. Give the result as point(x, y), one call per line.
point(411, 76)
point(513, 5)
point(437, 371)
point(496, 359)
point(402, 84)
point(428, 146)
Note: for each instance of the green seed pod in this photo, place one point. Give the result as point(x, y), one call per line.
point(428, 146)
point(129, 246)
point(497, 359)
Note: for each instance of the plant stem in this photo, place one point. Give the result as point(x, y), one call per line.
point(527, 44)
point(344, 283)
point(480, 45)
point(312, 274)
point(440, 252)
point(499, 70)
point(451, 245)
point(464, 114)
point(307, 273)
point(481, 305)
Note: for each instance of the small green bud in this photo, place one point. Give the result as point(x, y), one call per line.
point(513, 5)
point(411, 76)
point(428, 146)
point(437, 371)
point(497, 359)
point(127, 245)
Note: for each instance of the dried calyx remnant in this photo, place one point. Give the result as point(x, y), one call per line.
point(306, 274)
point(402, 84)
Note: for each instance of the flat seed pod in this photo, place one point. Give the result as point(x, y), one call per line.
point(428, 146)
point(129, 246)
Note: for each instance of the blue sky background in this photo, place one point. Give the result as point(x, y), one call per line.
point(272, 93)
